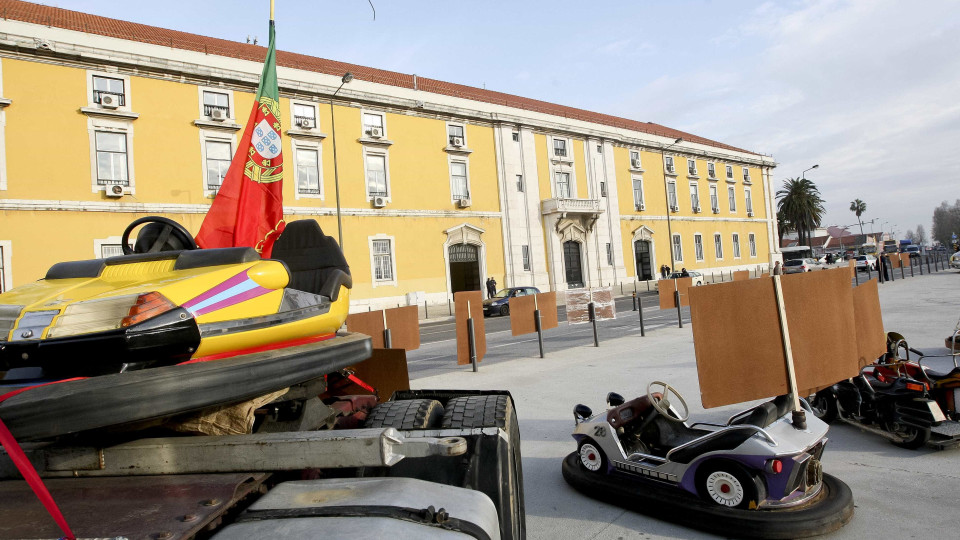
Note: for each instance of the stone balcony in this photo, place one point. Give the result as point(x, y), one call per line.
point(571, 207)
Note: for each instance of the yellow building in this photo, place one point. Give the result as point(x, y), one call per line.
point(439, 185)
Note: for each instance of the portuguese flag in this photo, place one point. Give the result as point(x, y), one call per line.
point(248, 208)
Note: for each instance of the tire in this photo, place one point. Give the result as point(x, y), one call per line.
point(727, 483)
point(504, 310)
point(592, 458)
point(406, 414)
point(505, 485)
point(913, 437)
point(824, 406)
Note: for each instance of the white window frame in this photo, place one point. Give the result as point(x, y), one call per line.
point(638, 166)
point(698, 246)
point(695, 197)
point(231, 104)
point(568, 149)
point(718, 245)
point(99, 243)
point(711, 170)
point(732, 199)
point(520, 183)
point(112, 125)
point(463, 128)
point(746, 175)
point(216, 136)
point(386, 173)
point(669, 166)
point(374, 282)
point(525, 257)
point(752, 241)
point(672, 197)
point(677, 247)
point(294, 103)
point(735, 239)
point(103, 74)
point(729, 171)
point(466, 173)
point(694, 172)
point(571, 184)
point(295, 146)
point(714, 199)
point(365, 127)
point(638, 203)
point(748, 202)
point(6, 252)
point(609, 254)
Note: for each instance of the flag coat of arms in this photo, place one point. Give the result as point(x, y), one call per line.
point(248, 208)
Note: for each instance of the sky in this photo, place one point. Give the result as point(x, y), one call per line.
point(869, 90)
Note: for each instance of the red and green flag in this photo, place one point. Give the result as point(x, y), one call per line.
point(248, 208)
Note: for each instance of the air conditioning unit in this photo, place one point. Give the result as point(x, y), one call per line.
point(456, 141)
point(115, 191)
point(749, 213)
point(218, 114)
point(379, 202)
point(635, 163)
point(716, 209)
point(464, 203)
point(375, 132)
point(109, 101)
point(670, 169)
point(641, 206)
point(696, 209)
point(674, 208)
point(305, 123)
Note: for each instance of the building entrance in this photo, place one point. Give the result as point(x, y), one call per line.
point(641, 252)
point(572, 266)
point(464, 268)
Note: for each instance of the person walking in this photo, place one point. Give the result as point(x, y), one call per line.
point(778, 269)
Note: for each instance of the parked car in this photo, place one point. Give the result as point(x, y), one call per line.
point(955, 260)
point(865, 262)
point(499, 304)
point(796, 266)
point(914, 251)
point(696, 277)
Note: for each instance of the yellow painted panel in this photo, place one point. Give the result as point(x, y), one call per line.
point(580, 168)
point(543, 166)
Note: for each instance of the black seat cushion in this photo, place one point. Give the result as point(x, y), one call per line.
point(315, 261)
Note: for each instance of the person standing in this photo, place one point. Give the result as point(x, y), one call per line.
point(491, 287)
point(778, 269)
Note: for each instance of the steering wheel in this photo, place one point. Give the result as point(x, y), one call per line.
point(170, 228)
point(662, 404)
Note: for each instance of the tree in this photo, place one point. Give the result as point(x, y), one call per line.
point(921, 235)
point(783, 226)
point(858, 207)
point(909, 235)
point(801, 205)
point(946, 222)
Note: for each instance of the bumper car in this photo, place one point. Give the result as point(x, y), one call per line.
point(166, 309)
point(757, 475)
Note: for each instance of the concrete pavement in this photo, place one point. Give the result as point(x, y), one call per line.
point(904, 493)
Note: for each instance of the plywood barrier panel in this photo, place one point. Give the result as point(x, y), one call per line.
point(603, 306)
point(548, 310)
point(871, 339)
point(521, 315)
point(894, 260)
point(665, 288)
point(370, 323)
point(905, 259)
point(404, 325)
point(741, 275)
point(385, 370)
point(577, 300)
point(821, 321)
point(852, 265)
point(736, 335)
point(475, 300)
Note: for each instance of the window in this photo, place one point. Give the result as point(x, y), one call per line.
point(603, 189)
point(216, 101)
point(668, 164)
point(609, 254)
point(718, 245)
point(752, 241)
point(3, 269)
point(635, 159)
point(520, 183)
point(732, 196)
point(714, 199)
point(458, 180)
point(108, 86)
point(516, 136)
point(711, 170)
point(736, 246)
point(638, 193)
point(563, 185)
point(746, 193)
point(218, 161)
point(525, 252)
point(110, 250)
point(691, 167)
point(672, 196)
point(455, 135)
point(694, 197)
point(304, 116)
point(729, 172)
point(308, 171)
point(560, 148)
point(376, 175)
point(677, 248)
point(112, 161)
point(746, 175)
point(698, 246)
point(373, 125)
point(382, 252)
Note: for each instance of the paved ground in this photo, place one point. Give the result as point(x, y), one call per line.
point(903, 493)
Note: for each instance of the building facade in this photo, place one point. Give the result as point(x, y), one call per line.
point(439, 185)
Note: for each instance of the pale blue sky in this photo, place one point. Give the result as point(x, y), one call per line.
point(868, 89)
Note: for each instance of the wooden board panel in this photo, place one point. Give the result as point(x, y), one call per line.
point(404, 325)
point(475, 301)
point(548, 310)
point(522, 308)
point(684, 285)
point(905, 260)
point(385, 370)
point(741, 275)
point(871, 339)
point(852, 264)
point(370, 323)
point(665, 288)
point(894, 260)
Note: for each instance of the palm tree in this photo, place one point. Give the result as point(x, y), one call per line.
point(801, 205)
point(858, 207)
point(783, 226)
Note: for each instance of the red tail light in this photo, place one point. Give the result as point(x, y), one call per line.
point(916, 387)
point(773, 466)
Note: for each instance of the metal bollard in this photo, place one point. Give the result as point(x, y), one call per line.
point(911, 266)
point(539, 328)
point(643, 331)
point(634, 302)
point(449, 308)
point(592, 311)
point(387, 339)
point(676, 299)
point(472, 345)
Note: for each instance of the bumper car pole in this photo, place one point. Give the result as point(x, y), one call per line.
point(799, 416)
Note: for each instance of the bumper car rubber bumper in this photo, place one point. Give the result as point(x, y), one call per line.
point(827, 512)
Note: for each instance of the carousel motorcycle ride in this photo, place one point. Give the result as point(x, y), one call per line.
point(944, 386)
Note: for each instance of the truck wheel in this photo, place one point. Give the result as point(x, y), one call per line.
point(728, 484)
point(504, 485)
point(406, 414)
point(824, 406)
point(913, 437)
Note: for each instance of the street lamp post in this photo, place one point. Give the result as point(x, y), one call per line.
point(666, 194)
point(347, 77)
point(803, 174)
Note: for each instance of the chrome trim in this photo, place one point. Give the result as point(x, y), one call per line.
point(263, 321)
point(757, 430)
